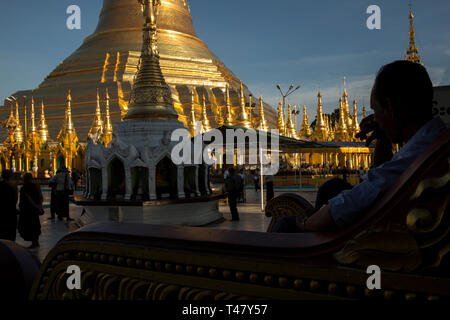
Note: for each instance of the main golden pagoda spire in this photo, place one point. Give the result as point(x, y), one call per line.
point(107, 128)
point(43, 128)
point(305, 129)
point(228, 115)
point(205, 121)
point(97, 124)
point(262, 125)
point(151, 98)
point(412, 53)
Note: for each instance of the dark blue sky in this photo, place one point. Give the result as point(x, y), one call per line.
point(264, 42)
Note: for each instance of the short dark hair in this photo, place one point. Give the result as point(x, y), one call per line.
point(408, 86)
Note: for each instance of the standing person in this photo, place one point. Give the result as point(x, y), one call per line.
point(75, 178)
point(241, 192)
point(233, 186)
point(256, 180)
point(63, 188)
point(53, 197)
point(8, 201)
point(344, 174)
point(30, 209)
point(269, 185)
point(226, 174)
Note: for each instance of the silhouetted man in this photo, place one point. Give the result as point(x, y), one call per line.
point(8, 212)
point(402, 100)
point(233, 185)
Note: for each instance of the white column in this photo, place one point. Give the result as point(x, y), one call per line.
point(152, 182)
point(180, 182)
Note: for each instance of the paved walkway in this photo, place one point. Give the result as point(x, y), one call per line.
point(251, 219)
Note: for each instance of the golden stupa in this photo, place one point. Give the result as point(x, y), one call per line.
point(109, 59)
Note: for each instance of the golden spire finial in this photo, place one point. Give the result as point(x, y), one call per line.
point(341, 130)
point(280, 119)
point(67, 136)
point(43, 129)
point(107, 128)
point(10, 123)
point(262, 119)
point(355, 124)
point(18, 134)
point(320, 130)
point(242, 119)
point(319, 121)
point(364, 112)
point(346, 106)
point(412, 53)
point(205, 122)
point(69, 123)
point(97, 124)
point(305, 129)
point(33, 124)
point(291, 132)
point(149, 79)
point(228, 115)
point(192, 123)
point(345, 87)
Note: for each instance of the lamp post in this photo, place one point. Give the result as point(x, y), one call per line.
point(285, 95)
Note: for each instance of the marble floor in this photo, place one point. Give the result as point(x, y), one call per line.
point(251, 219)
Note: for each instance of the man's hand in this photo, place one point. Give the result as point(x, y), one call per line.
point(369, 131)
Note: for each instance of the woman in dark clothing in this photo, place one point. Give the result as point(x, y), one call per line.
point(8, 213)
point(30, 206)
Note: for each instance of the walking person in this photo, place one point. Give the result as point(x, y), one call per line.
point(233, 186)
point(8, 214)
point(30, 209)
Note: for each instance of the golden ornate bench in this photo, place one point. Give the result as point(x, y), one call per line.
point(406, 234)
